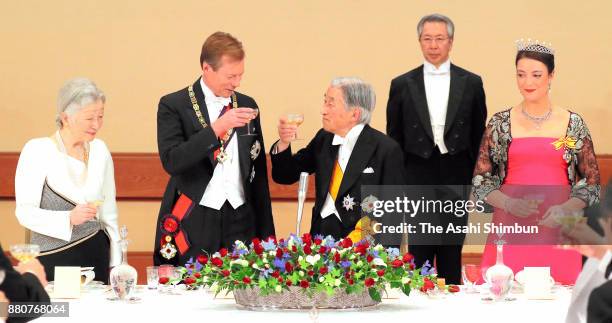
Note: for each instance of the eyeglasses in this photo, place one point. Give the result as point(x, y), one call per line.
point(429, 40)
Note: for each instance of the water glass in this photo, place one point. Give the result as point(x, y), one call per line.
point(152, 277)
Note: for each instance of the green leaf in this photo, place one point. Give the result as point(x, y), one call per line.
point(374, 294)
point(406, 289)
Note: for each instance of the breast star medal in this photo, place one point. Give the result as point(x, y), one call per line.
point(348, 202)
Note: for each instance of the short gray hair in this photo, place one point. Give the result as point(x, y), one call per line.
point(436, 17)
point(76, 94)
point(357, 93)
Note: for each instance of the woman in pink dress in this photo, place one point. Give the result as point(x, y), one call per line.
point(536, 163)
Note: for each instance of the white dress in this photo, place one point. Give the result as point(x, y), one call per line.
point(40, 161)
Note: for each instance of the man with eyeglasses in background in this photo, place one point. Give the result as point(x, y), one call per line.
point(437, 114)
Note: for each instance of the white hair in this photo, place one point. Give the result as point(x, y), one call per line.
point(357, 93)
point(76, 94)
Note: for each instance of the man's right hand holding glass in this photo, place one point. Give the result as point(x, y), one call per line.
point(287, 132)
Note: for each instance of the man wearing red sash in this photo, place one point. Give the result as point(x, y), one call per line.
point(210, 142)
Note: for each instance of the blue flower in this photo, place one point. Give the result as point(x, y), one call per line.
point(329, 242)
point(280, 264)
point(345, 264)
point(427, 269)
point(375, 253)
point(267, 272)
point(393, 253)
point(269, 245)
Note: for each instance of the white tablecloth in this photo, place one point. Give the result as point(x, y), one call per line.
point(199, 306)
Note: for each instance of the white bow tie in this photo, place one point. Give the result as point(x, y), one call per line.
point(220, 100)
point(437, 72)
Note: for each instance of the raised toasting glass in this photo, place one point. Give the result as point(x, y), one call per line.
point(295, 119)
point(250, 126)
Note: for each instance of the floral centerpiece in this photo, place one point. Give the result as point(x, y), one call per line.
point(307, 269)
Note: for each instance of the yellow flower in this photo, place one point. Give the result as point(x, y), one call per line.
point(564, 142)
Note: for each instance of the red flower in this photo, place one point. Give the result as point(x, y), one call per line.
point(255, 241)
point(317, 241)
point(380, 273)
point(246, 280)
point(279, 253)
point(337, 257)
point(453, 289)
point(164, 280)
point(361, 249)
point(189, 280)
point(350, 281)
point(280, 279)
point(223, 252)
point(304, 284)
point(310, 273)
point(225, 273)
point(346, 243)
point(294, 248)
point(407, 258)
point(307, 238)
point(369, 258)
point(307, 249)
point(347, 275)
point(323, 270)
point(428, 284)
point(217, 262)
point(289, 283)
point(411, 266)
point(197, 275)
point(397, 263)
point(369, 282)
point(275, 274)
point(271, 238)
point(288, 267)
point(202, 259)
point(259, 249)
point(322, 250)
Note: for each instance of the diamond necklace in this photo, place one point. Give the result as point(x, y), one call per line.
point(538, 120)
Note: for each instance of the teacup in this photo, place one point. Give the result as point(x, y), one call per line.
point(87, 276)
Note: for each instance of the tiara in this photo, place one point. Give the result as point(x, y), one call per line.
point(534, 46)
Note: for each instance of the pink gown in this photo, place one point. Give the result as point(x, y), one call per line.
point(534, 161)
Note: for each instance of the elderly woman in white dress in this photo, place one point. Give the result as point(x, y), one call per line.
point(65, 187)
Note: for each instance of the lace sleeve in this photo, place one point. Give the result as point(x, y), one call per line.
point(486, 178)
point(587, 186)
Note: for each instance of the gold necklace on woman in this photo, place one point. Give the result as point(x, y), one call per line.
point(77, 181)
point(537, 120)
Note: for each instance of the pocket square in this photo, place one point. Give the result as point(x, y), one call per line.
point(368, 170)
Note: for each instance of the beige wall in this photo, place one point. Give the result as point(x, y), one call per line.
point(139, 50)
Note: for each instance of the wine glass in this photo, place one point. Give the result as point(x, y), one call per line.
point(176, 276)
point(471, 273)
point(250, 124)
point(295, 119)
point(95, 200)
point(25, 252)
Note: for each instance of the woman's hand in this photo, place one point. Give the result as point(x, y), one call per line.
point(551, 216)
point(82, 213)
point(520, 207)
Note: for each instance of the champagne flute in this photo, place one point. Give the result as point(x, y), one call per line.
point(25, 252)
point(295, 119)
point(250, 124)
